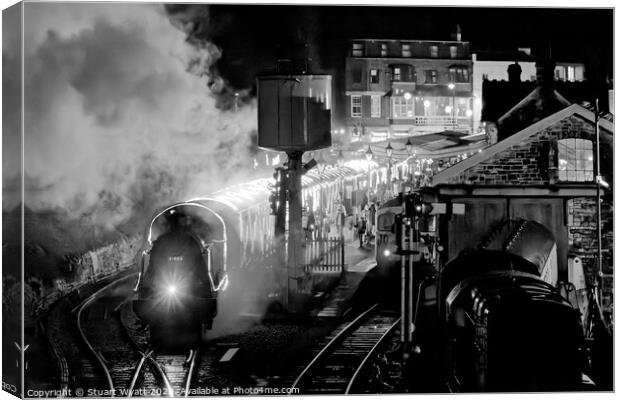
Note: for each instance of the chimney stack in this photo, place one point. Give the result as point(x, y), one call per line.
point(457, 35)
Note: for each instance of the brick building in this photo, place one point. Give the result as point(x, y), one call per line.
point(545, 172)
point(398, 88)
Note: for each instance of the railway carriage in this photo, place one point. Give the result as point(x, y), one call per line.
point(197, 249)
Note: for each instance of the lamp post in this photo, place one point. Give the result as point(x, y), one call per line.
point(389, 151)
point(369, 159)
point(452, 86)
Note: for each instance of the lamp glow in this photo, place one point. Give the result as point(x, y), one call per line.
point(172, 289)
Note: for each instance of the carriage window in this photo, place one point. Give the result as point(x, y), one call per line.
point(385, 221)
point(575, 160)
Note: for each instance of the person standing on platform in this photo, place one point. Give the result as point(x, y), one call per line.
point(372, 212)
point(361, 230)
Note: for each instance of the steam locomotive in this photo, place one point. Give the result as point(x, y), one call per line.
point(488, 320)
point(181, 269)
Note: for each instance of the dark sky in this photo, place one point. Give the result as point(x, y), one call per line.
point(249, 35)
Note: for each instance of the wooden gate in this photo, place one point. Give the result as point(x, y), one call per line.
point(324, 255)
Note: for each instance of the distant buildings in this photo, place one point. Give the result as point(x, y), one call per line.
point(400, 88)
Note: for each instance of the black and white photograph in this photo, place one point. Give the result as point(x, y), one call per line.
point(260, 199)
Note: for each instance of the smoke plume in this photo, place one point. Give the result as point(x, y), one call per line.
point(119, 116)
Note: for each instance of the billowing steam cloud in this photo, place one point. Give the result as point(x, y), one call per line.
point(119, 116)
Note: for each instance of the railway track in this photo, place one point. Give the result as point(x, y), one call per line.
point(340, 365)
point(123, 363)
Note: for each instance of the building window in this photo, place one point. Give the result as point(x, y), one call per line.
point(356, 105)
point(374, 76)
point(375, 106)
point(384, 51)
point(430, 76)
point(570, 73)
point(453, 52)
point(358, 50)
point(406, 50)
point(356, 74)
point(434, 51)
point(575, 160)
point(403, 108)
point(396, 74)
point(460, 74)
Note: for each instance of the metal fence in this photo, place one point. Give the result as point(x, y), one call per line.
point(324, 255)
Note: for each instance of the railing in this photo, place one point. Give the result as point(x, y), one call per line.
point(443, 121)
point(324, 255)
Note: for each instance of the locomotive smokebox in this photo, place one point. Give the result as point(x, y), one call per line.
point(294, 112)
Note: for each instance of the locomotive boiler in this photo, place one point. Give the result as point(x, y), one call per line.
point(490, 319)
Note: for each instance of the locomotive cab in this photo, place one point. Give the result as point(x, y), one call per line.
point(181, 269)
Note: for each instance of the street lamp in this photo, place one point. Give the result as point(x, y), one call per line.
point(409, 146)
point(369, 159)
point(389, 150)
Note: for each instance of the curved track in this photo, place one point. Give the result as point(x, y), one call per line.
point(120, 348)
point(338, 367)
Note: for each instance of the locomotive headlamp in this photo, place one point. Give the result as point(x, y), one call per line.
point(387, 252)
point(172, 289)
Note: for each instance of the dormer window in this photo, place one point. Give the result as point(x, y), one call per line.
point(406, 50)
point(434, 51)
point(358, 49)
point(575, 160)
point(384, 50)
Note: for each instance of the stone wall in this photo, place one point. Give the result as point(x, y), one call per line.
point(583, 240)
point(90, 267)
point(531, 162)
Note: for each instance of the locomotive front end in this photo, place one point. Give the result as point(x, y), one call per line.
point(181, 269)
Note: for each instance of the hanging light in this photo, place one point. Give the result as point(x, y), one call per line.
point(369, 154)
point(409, 146)
point(389, 150)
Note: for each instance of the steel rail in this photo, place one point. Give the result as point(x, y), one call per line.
point(369, 356)
point(136, 375)
point(80, 308)
point(352, 325)
point(190, 372)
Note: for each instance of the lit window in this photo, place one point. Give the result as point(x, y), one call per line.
point(358, 50)
point(374, 76)
point(396, 74)
point(403, 107)
point(570, 72)
point(453, 52)
point(406, 50)
point(575, 160)
point(430, 75)
point(356, 106)
point(375, 106)
point(434, 51)
point(384, 50)
point(460, 74)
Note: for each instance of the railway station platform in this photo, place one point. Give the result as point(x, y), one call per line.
point(358, 261)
